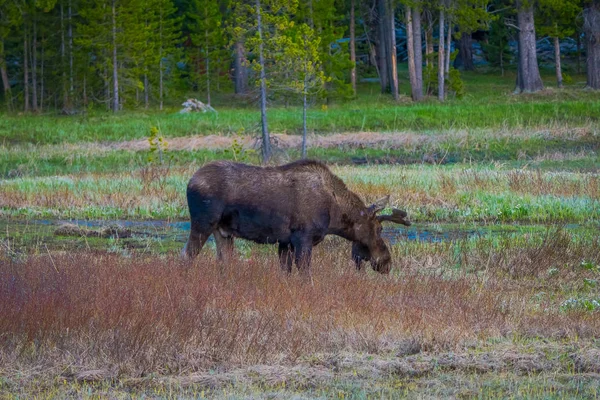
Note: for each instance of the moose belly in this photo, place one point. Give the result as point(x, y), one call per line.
point(260, 226)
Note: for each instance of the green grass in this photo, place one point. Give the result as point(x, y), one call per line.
point(455, 193)
point(489, 104)
point(516, 148)
point(520, 171)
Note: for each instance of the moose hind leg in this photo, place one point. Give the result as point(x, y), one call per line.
point(225, 249)
point(286, 252)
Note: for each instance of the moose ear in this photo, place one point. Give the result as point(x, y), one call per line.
point(398, 216)
point(379, 205)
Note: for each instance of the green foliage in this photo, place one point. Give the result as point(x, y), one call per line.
point(497, 50)
point(208, 54)
point(470, 15)
point(297, 66)
point(581, 304)
point(238, 152)
point(158, 146)
point(455, 84)
point(555, 17)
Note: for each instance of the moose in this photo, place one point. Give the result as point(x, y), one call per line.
point(294, 205)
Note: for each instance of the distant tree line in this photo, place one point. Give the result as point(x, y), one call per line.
point(74, 54)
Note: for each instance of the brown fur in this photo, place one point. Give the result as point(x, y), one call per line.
point(293, 205)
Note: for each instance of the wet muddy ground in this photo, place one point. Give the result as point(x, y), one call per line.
point(168, 236)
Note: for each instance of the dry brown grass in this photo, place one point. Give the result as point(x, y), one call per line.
point(81, 315)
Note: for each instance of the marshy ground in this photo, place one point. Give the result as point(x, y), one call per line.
point(495, 291)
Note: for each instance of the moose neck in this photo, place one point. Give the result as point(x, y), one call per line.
point(343, 219)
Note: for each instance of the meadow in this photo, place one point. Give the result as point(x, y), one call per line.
point(494, 292)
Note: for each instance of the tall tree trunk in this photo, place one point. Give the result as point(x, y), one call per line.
point(160, 62)
point(392, 51)
point(85, 99)
point(591, 15)
point(4, 75)
point(34, 94)
point(410, 49)
point(352, 47)
point(465, 53)
point(418, 50)
point(146, 92)
point(382, 50)
point(115, 105)
point(25, 66)
point(529, 79)
point(63, 63)
point(304, 108)
point(372, 52)
point(240, 71)
point(107, 85)
point(266, 140)
point(428, 38)
point(579, 51)
point(559, 78)
point(441, 60)
point(448, 47)
point(42, 62)
point(207, 69)
point(502, 62)
point(70, 36)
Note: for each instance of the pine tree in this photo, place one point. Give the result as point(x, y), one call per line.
point(9, 20)
point(208, 41)
point(496, 48)
point(298, 67)
point(168, 37)
point(555, 19)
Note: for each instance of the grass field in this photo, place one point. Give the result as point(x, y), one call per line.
point(505, 302)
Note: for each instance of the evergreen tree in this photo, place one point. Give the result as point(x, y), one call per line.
point(555, 19)
point(497, 47)
point(9, 20)
point(208, 41)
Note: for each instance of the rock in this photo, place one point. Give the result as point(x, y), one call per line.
point(193, 105)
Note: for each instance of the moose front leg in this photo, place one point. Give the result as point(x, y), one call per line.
point(360, 254)
point(286, 252)
point(303, 255)
point(199, 233)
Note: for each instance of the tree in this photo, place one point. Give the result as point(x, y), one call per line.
point(326, 18)
point(496, 47)
point(9, 19)
point(555, 19)
point(418, 49)
point(168, 37)
point(353, 45)
point(468, 17)
point(266, 140)
point(298, 67)
point(416, 91)
point(528, 73)
point(591, 16)
point(206, 35)
point(441, 55)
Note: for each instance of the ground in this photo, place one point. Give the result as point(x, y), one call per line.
point(494, 292)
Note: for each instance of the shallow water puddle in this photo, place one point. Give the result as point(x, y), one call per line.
point(165, 236)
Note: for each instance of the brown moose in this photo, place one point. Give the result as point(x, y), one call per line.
point(293, 205)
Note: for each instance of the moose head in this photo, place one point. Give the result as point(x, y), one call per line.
point(368, 244)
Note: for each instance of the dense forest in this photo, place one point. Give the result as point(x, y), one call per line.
point(70, 55)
